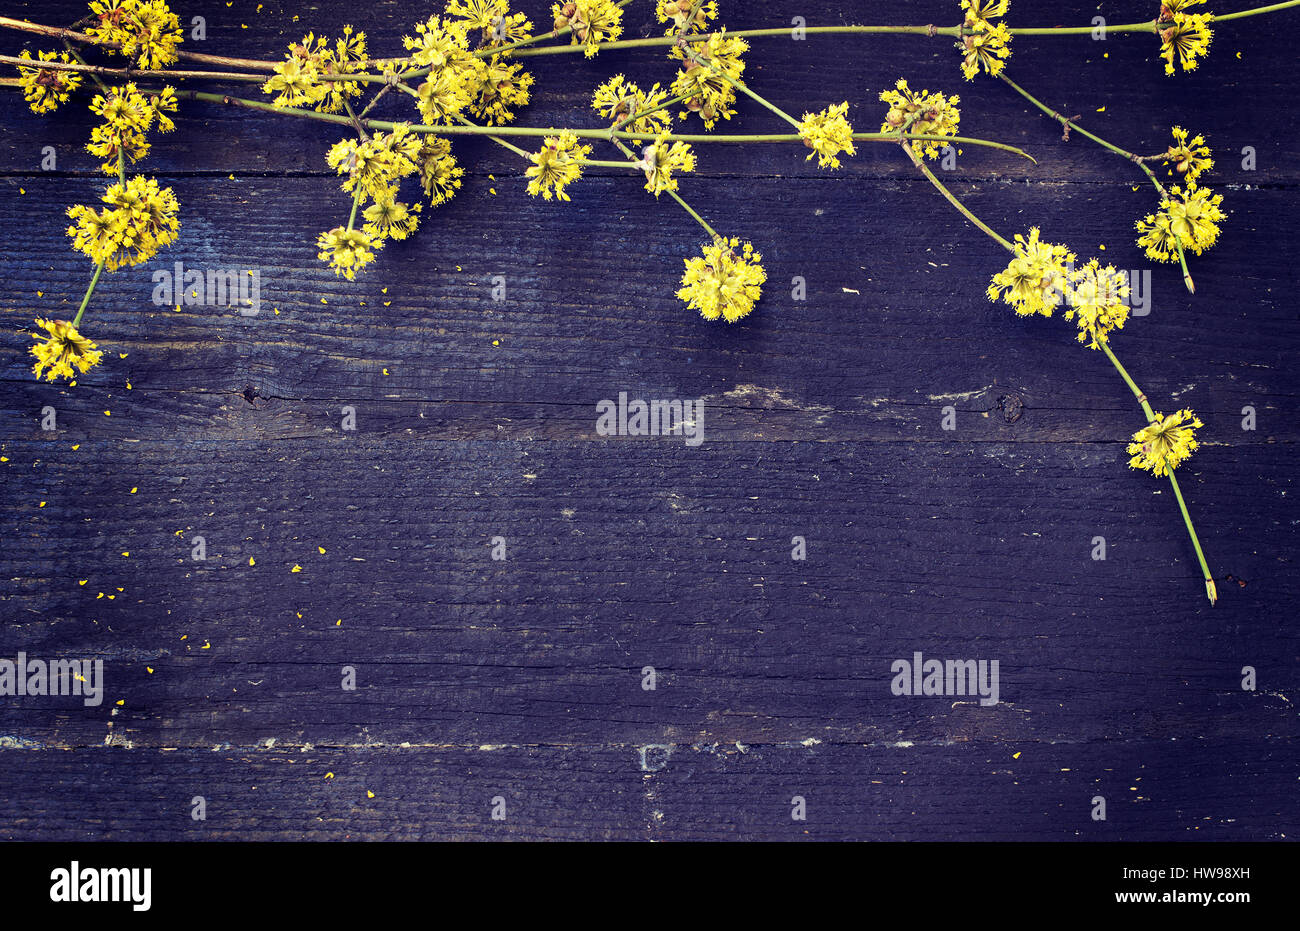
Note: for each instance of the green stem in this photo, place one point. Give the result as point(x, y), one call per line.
point(1182, 505)
point(356, 201)
point(741, 86)
point(1210, 591)
point(1128, 380)
point(1072, 126)
point(472, 129)
point(675, 196)
point(89, 291)
point(948, 195)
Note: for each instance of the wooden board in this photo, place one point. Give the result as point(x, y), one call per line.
point(476, 419)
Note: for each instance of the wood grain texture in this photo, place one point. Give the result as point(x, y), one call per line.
point(477, 418)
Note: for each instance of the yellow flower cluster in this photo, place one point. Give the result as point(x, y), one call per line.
point(591, 21)
point(455, 74)
point(61, 352)
point(1161, 446)
point(127, 115)
point(492, 18)
point(661, 159)
point(140, 218)
point(307, 77)
point(1037, 277)
point(1188, 216)
point(828, 133)
point(1191, 158)
point(707, 91)
point(503, 86)
point(1184, 37)
point(144, 30)
point(557, 165)
point(372, 171)
point(924, 114)
point(678, 12)
point(1097, 301)
point(619, 99)
point(984, 43)
point(723, 283)
point(439, 174)
point(347, 250)
point(45, 88)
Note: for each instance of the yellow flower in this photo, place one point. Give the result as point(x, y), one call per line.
point(591, 21)
point(1097, 301)
point(378, 162)
point(145, 30)
point(617, 99)
point(1183, 37)
point(722, 283)
point(1190, 158)
point(983, 43)
point(503, 86)
point(346, 250)
point(924, 114)
point(661, 159)
point(1188, 216)
point(678, 11)
point(439, 173)
point(303, 78)
point(1161, 446)
point(707, 92)
point(46, 88)
point(140, 219)
point(828, 133)
point(492, 18)
point(61, 349)
point(127, 115)
point(389, 218)
point(295, 83)
point(1034, 281)
point(557, 165)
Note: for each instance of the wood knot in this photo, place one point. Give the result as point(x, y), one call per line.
point(1011, 406)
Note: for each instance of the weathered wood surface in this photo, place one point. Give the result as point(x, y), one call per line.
point(476, 418)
